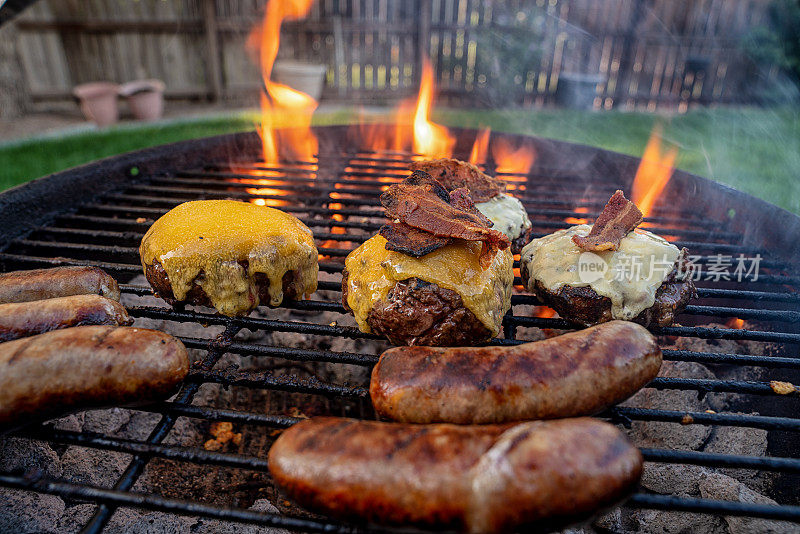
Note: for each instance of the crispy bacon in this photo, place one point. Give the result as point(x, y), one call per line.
point(618, 218)
point(460, 199)
point(453, 174)
point(422, 203)
point(403, 238)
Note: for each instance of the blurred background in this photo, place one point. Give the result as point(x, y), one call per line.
point(718, 77)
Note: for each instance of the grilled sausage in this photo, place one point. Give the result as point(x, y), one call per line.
point(580, 373)
point(470, 478)
point(85, 367)
point(23, 319)
point(40, 284)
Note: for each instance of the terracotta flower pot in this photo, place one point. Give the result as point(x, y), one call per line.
point(145, 98)
point(98, 101)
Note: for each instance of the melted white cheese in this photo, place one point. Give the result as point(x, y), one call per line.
point(507, 214)
point(631, 277)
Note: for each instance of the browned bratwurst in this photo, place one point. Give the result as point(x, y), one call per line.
point(23, 319)
point(580, 373)
point(471, 478)
point(40, 284)
point(85, 367)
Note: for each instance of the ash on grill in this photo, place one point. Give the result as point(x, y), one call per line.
point(698, 423)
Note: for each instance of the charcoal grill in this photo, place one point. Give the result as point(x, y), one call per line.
point(97, 214)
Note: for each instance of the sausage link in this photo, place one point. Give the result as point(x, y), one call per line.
point(85, 367)
point(580, 373)
point(470, 478)
point(23, 319)
point(40, 284)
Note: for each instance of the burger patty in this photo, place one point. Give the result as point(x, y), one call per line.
point(158, 279)
point(584, 306)
point(519, 242)
point(416, 312)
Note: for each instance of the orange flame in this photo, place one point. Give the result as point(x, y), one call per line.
point(430, 139)
point(510, 159)
point(735, 322)
point(544, 312)
point(282, 106)
point(481, 147)
point(412, 129)
point(653, 173)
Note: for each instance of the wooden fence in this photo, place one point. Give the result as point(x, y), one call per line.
point(634, 53)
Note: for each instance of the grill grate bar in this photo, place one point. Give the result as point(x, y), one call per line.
point(252, 323)
point(681, 331)
point(115, 498)
point(718, 386)
point(93, 219)
point(764, 463)
point(688, 504)
point(705, 292)
point(745, 313)
point(221, 414)
point(735, 359)
point(36, 260)
point(626, 415)
point(128, 446)
point(288, 353)
point(288, 383)
point(116, 209)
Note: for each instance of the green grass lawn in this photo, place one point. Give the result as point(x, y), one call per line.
point(754, 150)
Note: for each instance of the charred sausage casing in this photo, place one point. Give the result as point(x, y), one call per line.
point(470, 478)
point(84, 367)
point(23, 319)
point(580, 373)
point(40, 284)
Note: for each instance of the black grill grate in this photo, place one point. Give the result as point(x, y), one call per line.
point(337, 198)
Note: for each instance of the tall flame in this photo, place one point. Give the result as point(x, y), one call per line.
point(653, 173)
point(481, 147)
point(430, 139)
point(411, 128)
point(511, 159)
point(282, 106)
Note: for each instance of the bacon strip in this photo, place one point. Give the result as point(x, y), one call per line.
point(422, 203)
point(453, 174)
point(461, 199)
point(401, 237)
point(618, 218)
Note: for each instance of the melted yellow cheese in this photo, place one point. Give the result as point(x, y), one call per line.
point(212, 236)
point(373, 271)
point(631, 277)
